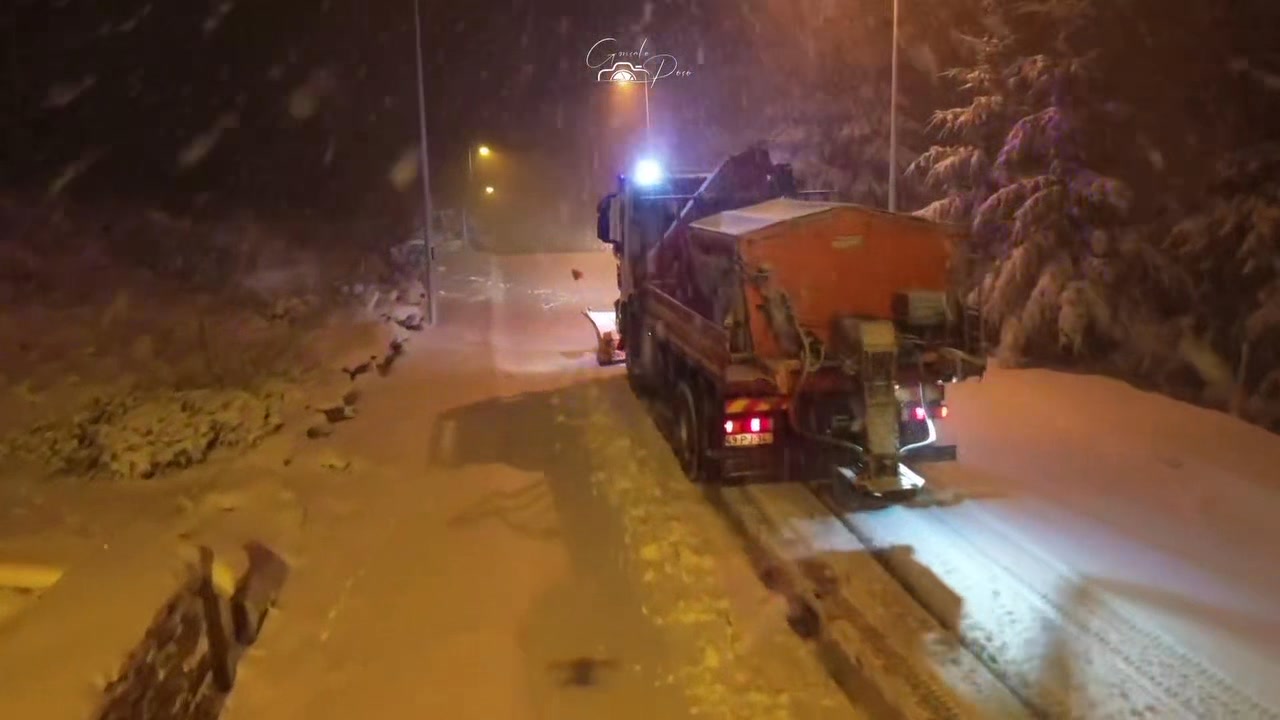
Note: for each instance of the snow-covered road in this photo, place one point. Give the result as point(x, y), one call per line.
point(493, 554)
point(1111, 553)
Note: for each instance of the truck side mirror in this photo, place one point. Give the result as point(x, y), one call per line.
point(603, 224)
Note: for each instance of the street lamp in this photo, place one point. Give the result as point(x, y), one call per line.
point(428, 270)
point(481, 150)
point(893, 117)
point(484, 152)
point(488, 190)
point(627, 77)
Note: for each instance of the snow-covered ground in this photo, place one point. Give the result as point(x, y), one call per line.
point(1112, 547)
point(500, 532)
point(485, 539)
point(479, 549)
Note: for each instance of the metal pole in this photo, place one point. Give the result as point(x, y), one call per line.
point(428, 270)
point(893, 117)
point(648, 134)
point(466, 198)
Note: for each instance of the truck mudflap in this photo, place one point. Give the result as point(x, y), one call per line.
point(605, 323)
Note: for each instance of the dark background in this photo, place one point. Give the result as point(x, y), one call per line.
point(1189, 81)
point(510, 74)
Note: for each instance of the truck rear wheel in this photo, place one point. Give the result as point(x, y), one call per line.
point(635, 347)
point(687, 434)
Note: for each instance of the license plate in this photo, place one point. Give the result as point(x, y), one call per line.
point(748, 439)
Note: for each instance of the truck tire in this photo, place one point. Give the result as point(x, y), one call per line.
point(634, 379)
point(636, 347)
point(687, 435)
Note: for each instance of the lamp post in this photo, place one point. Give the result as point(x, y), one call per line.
point(429, 251)
point(893, 117)
point(648, 129)
point(625, 78)
point(482, 151)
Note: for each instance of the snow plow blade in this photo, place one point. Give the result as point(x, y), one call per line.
point(905, 483)
point(605, 323)
point(932, 454)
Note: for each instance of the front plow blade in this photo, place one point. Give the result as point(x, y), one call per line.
point(605, 323)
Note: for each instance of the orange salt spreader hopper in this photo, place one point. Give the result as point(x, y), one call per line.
point(832, 260)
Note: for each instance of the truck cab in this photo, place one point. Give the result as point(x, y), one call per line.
point(636, 216)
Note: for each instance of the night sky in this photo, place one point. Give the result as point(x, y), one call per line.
point(303, 106)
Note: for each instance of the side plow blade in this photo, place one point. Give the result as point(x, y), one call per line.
point(605, 323)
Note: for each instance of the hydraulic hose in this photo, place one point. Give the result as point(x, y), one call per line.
point(807, 365)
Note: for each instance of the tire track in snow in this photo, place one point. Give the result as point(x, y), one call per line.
point(1201, 690)
point(865, 614)
point(1069, 656)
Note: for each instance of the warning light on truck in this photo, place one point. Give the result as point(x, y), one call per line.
point(648, 172)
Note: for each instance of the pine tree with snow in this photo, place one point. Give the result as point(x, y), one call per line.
point(1232, 249)
point(1044, 223)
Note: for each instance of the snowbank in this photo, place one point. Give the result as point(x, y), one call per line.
point(1110, 545)
point(139, 343)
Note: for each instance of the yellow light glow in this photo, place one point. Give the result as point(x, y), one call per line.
point(488, 190)
point(483, 150)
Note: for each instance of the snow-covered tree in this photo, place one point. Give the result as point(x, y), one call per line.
point(1232, 249)
point(962, 171)
point(1044, 221)
point(836, 137)
point(823, 95)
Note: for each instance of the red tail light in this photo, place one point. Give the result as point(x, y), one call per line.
point(919, 414)
point(753, 425)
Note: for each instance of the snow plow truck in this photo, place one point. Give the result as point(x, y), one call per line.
point(781, 337)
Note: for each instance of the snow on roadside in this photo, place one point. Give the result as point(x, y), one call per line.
point(13, 601)
point(1063, 651)
point(1115, 545)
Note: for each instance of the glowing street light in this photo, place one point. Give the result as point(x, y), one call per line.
point(484, 152)
point(488, 190)
point(481, 150)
